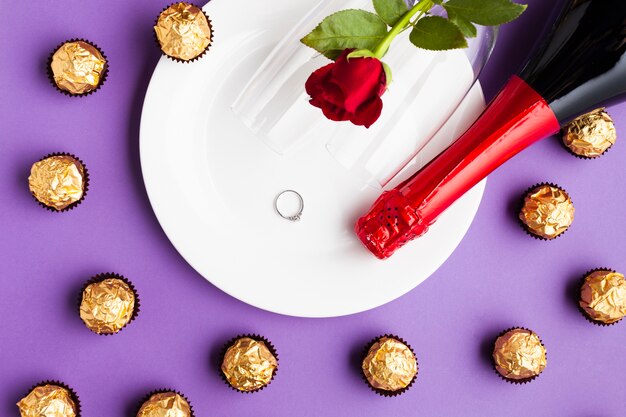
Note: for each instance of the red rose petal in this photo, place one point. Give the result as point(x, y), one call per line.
point(368, 112)
point(335, 113)
point(359, 78)
point(315, 83)
point(333, 94)
point(349, 90)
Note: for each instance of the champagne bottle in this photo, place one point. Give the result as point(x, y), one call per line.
point(581, 65)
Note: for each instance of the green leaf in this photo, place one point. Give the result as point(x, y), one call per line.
point(467, 28)
point(486, 12)
point(345, 29)
point(333, 54)
point(390, 11)
point(437, 34)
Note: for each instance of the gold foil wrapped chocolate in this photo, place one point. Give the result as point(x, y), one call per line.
point(591, 134)
point(48, 401)
point(389, 365)
point(547, 211)
point(165, 404)
point(519, 355)
point(603, 296)
point(183, 31)
point(249, 364)
point(58, 181)
point(107, 305)
point(78, 67)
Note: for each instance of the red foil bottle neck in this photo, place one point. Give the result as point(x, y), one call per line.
point(515, 119)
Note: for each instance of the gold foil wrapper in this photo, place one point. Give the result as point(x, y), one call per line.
point(48, 401)
point(107, 305)
point(389, 365)
point(183, 31)
point(547, 211)
point(248, 364)
point(165, 404)
point(57, 181)
point(519, 354)
point(77, 67)
point(603, 296)
point(591, 134)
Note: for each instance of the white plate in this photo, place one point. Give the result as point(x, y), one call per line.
point(212, 185)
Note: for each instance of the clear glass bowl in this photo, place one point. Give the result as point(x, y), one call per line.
point(427, 88)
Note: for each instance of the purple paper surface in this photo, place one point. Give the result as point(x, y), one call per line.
point(498, 277)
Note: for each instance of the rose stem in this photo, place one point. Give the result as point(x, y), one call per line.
point(421, 7)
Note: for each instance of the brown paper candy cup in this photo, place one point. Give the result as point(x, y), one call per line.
point(103, 76)
point(521, 205)
point(73, 394)
point(582, 310)
point(163, 391)
point(258, 338)
point(383, 392)
point(510, 380)
point(173, 58)
point(85, 179)
point(102, 277)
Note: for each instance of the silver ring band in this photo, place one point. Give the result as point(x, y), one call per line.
point(293, 217)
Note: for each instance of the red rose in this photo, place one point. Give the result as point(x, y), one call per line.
point(349, 89)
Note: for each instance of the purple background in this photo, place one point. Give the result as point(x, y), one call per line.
point(497, 278)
